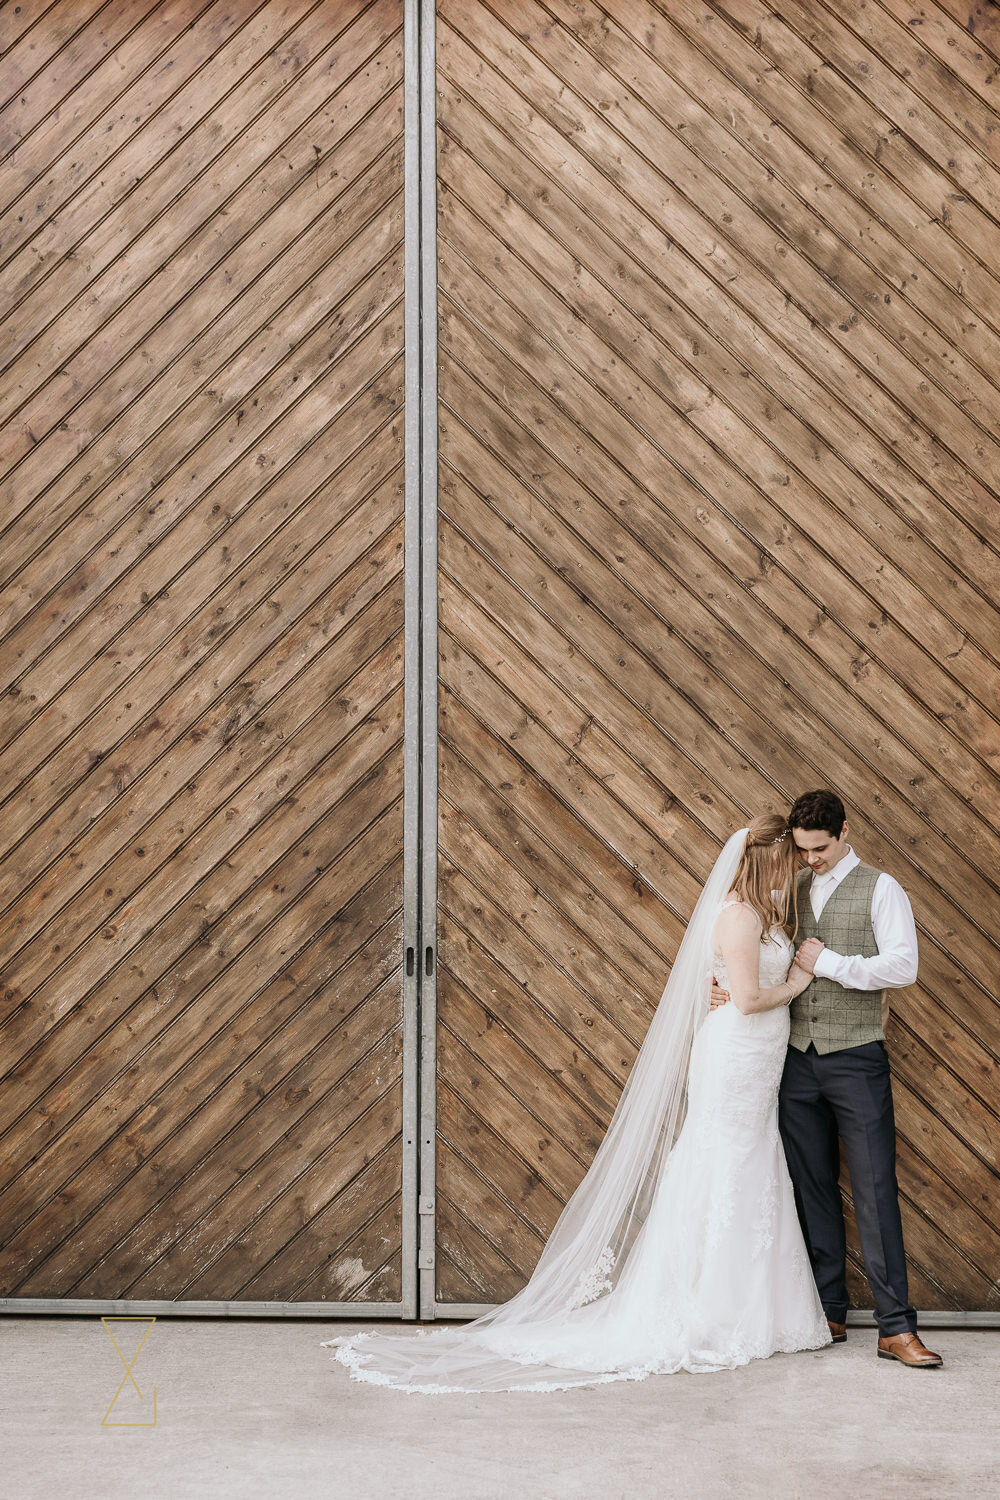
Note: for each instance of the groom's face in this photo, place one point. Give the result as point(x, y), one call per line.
point(819, 849)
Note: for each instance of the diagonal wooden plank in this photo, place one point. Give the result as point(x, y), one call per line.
point(484, 1208)
point(452, 1285)
point(490, 1098)
point(179, 1041)
point(262, 382)
point(194, 1254)
point(628, 131)
point(351, 1276)
point(202, 606)
point(732, 276)
point(181, 139)
point(61, 701)
point(880, 290)
point(736, 502)
point(38, 31)
point(979, 22)
point(215, 1210)
point(124, 306)
point(955, 46)
point(794, 418)
point(536, 1089)
point(935, 1223)
point(130, 1164)
point(666, 849)
point(90, 972)
point(226, 755)
point(581, 1068)
point(614, 695)
point(894, 154)
point(485, 773)
point(932, 130)
point(68, 71)
point(858, 165)
point(279, 1229)
point(465, 844)
point(625, 333)
point(169, 1019)
point(907, 73)
point(45, 136)
point(478, 1256)
point(964, 1095)
point(766, 730)
point(101, 1089)
point(970, 1177)
point(345, 1230)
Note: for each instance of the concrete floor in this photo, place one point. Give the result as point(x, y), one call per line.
point(254, 1409)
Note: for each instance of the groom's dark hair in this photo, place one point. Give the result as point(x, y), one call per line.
point(814, 810)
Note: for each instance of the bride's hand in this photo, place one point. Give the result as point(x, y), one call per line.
point(800, 978)
point(719, 997)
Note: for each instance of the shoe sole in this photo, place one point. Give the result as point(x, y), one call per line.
point(912, 1364)
point(839, 1338)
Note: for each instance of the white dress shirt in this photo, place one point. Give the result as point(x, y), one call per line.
point(895, 963)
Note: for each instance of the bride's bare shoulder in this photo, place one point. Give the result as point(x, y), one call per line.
point(736, 919)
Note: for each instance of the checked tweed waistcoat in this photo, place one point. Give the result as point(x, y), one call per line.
point(827, 1014)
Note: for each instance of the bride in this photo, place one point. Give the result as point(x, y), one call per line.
point(681, 1247)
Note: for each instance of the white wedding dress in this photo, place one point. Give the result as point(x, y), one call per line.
point(718, 1273)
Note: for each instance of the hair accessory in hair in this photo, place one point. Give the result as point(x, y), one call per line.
point(768, 843)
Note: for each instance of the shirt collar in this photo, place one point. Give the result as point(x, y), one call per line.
point(841, 868)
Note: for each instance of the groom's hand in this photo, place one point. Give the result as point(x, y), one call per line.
point(719, 997)
point(808, 954)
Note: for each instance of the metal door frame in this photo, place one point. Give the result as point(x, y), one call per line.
point(425, 406)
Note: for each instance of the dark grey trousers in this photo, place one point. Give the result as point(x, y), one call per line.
point(846, 1096)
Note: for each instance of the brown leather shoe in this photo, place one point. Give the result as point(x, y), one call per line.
point(908, 1349)
point(838, 1331)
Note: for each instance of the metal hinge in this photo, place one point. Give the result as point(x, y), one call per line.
point(425, 1208)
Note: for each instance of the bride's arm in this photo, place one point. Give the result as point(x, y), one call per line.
point(737, 937)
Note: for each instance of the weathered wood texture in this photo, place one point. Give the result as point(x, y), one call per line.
point(201, 605)
point(719, 343)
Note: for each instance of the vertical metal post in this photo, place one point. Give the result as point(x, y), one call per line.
point(420, 692)
point(429, 649)
point(412, 657)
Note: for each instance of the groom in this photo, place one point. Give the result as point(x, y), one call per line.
point(860, 940)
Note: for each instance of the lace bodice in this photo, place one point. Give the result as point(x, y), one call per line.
point(775, 958)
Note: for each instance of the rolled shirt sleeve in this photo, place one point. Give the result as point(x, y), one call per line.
point(895, 963)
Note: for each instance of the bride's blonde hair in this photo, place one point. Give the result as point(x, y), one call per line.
point(768, 865)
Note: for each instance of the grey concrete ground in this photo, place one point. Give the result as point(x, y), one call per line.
point(254, 1409)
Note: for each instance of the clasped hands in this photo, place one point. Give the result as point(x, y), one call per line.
point(804, 959)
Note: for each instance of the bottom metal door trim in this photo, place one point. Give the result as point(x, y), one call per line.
point(361, 1312)
point(77, 1307)
point(857, 1317)
point(865, 1318)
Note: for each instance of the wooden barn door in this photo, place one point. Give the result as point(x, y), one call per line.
point(202, 655)
point(719, 339)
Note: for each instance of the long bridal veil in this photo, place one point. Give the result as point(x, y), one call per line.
point(519, 1345)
